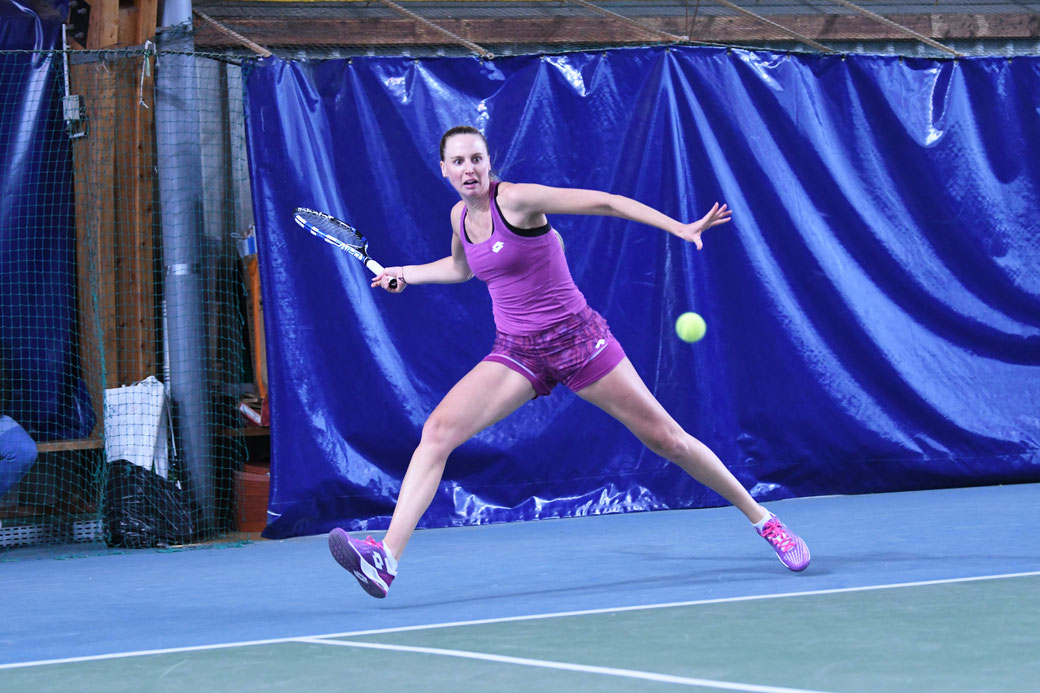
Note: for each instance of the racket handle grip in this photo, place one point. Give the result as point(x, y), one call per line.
point(377, 269)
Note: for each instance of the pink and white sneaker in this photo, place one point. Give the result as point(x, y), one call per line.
point(789, 547)
point(368, 561)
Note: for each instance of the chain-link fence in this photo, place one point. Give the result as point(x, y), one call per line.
point(130, 300)
point(131, 331)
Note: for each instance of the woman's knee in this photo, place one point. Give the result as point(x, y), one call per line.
point(442, 433)
point(669, 441)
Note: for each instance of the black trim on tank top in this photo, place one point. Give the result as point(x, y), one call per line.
point(530, 233)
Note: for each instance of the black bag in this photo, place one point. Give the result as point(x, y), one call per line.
point(143, 510)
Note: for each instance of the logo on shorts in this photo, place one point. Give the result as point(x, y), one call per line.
point(497, 247)
point(601, 343)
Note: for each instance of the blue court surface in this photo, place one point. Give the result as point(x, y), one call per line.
point(919, 591)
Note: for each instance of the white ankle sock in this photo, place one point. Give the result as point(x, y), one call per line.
point(762, 523)
point(391, 562)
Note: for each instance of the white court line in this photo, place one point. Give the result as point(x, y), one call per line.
point(565, 666)
point(672, 605)
point(510, 619)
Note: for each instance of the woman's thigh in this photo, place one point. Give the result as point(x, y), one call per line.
point(484, 396)
point(623, 394)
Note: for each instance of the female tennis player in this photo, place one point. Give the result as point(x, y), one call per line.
point(546, 334)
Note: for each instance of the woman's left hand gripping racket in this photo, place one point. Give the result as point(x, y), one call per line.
point(340, 234)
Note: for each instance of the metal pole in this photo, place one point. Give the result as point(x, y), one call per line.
point(180, 193)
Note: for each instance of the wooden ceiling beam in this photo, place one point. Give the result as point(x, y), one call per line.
point(298, 31)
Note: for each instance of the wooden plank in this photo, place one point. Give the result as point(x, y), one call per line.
point(402, 32)
point(142, 172)
point(134, 228)
point(114, 188)
point(86, 213)
point(144, 27)
point(984, 26)
point(329, 31)
point(127, 25)
point(255, 432)
point(256, 332)
point(75, 444)
point(93, 182)
point(137, 21)
point(104, 24)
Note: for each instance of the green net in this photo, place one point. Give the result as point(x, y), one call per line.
point(130, 349)
point(131, 328)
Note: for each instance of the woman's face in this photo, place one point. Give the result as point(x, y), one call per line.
point(466, 165)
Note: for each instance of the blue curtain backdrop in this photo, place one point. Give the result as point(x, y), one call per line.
point(873, 309)
point(39, 381)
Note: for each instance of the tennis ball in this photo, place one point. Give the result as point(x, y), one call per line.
point(690, 327)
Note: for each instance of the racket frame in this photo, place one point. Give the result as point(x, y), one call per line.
point(359, 250)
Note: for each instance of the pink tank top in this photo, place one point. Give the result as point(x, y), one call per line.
point(527, 276)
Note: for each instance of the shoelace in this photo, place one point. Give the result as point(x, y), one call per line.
point(777, 535)
point(378, 559)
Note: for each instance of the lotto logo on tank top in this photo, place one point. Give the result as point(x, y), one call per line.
point(497, 246)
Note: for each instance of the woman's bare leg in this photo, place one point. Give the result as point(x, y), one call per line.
point(484, 396)
point(622, 394)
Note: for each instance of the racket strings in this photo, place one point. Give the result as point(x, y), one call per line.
point(332, 227)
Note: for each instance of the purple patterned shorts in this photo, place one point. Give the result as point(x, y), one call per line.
point(577, 352)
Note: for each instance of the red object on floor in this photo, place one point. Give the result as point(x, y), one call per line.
point(252, 490)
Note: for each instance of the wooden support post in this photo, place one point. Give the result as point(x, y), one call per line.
point(115, 219)
point(113, 193)
point(120, 23)
point(137, 21)
point(94, 179)
point(104, 24)
point(135, 227)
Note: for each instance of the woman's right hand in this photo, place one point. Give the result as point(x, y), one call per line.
point(389, 273)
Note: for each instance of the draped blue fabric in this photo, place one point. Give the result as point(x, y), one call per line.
point(873, 309)
point(41, 387)
point(31, 24)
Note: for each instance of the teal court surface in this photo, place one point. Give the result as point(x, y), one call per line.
point(917, 591)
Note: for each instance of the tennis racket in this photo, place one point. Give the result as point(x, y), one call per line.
point(340, 234)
